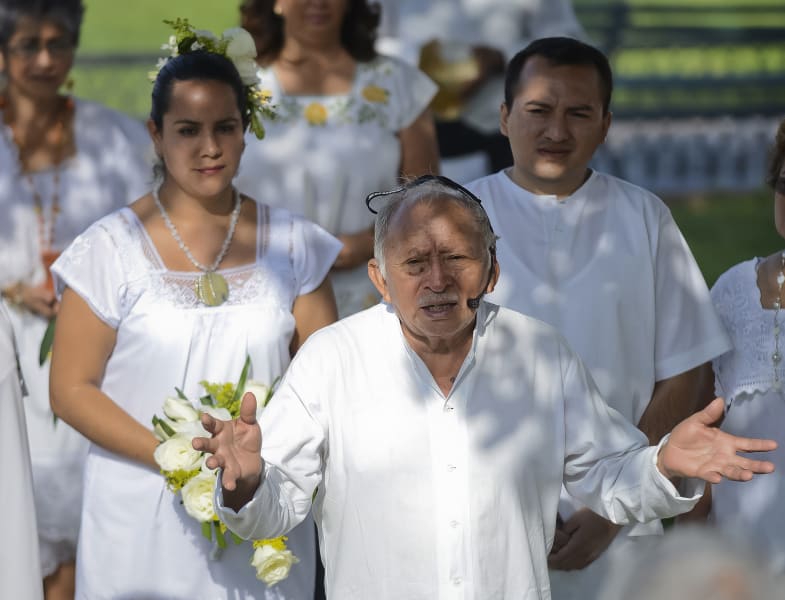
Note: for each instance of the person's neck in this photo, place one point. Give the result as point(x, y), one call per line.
point(182, 206)
point(29, 116)
point(538, 187)
point(442, 356)
point(322, 52)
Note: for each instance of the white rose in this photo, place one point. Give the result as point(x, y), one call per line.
point(205, 33)
point(247, 68)
point(198, 497)
point(272, 565)
point(241, 44)
point(222, 414)
point(189, 429)
point(178, 409)
point(161, 433)
point(177, 454)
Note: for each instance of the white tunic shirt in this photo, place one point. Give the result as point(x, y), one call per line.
point(609, 268)
point(424, 496)
point(755, 406)
point(20, 571)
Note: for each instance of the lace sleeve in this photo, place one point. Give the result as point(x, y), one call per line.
point(410, 91)
point(92, 267)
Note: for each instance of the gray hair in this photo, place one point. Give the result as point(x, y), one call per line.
point(65, 13)
point(431, 190)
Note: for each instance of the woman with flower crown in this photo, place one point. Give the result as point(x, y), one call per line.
point(64, 163)
point(178, 288)
point(349, 122)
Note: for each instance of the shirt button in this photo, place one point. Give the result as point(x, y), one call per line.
point(453, 524)
point(449, 408)
point(457, 581)
point(450, 468)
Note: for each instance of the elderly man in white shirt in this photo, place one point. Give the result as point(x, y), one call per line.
point(432, 432)
point(603, 262)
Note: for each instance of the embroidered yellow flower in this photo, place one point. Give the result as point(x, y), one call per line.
point(315, 113)
point(374, 93)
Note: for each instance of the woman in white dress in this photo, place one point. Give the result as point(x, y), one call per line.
point(64, 163)
point(349, 122)
point(20, 570)
point(749, 299)
point(179, 288)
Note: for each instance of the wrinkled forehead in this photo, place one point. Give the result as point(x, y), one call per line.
point(433, 220)
point(542, 79)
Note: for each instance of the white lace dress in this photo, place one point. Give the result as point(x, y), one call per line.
point(108, 171)
point(136, 539)
point(323, 155)
point(754, 407)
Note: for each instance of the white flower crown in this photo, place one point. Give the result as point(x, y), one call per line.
point(237, 45)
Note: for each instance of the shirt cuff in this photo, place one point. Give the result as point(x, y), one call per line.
point(692, 488)
point(245, 521)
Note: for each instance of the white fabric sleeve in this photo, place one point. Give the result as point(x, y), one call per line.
point(615, 473)
point(688, 331)
point(20, 570)
point(411, 91)
point(92, 267)
point(294, 442)
point(314, 253)
point(721, 297)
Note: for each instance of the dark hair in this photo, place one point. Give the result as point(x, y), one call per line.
point(358, 32)
point(560, 51)
point(199, 65)
point(776, 157)
point(65, 13)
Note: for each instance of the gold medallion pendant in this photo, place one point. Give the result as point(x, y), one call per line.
point(212, 289)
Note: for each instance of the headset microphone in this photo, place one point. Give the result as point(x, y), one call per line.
point(474, 303)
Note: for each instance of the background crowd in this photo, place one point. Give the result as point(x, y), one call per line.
point(116, 229)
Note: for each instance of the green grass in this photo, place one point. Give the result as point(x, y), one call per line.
point(136, 25)
point(723, 230)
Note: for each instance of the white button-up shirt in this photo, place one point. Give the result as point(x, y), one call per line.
point(423, 495)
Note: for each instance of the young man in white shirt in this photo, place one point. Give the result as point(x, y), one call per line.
point(433, 432)
point(603, 262)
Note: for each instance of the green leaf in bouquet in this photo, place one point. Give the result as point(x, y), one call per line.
point(207, 400)
point(236, 538)
point(164, 425)
point(270, 391)
point(238, 391)
point(219, 536)
point(181, 395)
point(46, 342)
point(207, 530)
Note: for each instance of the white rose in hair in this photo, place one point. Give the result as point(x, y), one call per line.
point(178, 409)
point(247, 68)
point(205, 33)
point(241, 44)
point(198, 497)
point(272, 565)
point(177, 454)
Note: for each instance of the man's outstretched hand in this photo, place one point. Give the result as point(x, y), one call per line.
point(236, 448)
point(696, 449)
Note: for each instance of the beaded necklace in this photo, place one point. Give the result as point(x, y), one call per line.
point(46, 231)
point(211, 287)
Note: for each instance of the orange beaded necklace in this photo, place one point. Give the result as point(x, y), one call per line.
point(59, 138)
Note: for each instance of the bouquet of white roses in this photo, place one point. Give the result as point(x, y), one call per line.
point(187, 474)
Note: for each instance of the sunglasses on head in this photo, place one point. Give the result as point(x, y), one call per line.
point(445, 181)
